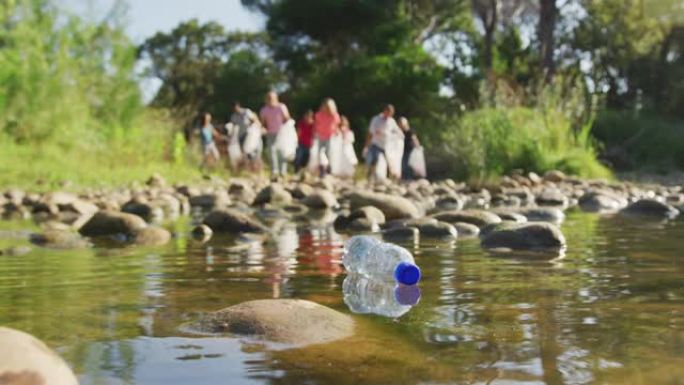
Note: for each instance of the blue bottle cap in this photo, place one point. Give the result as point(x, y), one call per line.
point(407, 273)
point(407, 295)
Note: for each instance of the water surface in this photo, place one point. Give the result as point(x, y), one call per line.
point(611, 311)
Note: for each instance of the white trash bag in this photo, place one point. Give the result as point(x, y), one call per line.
point(286, 140)
point(312, 166)
point(252, 142)
point(394, 150)
point(234, 150)
point(335, 153)
point(346, 156)
point(381, 168)
point(416, 161)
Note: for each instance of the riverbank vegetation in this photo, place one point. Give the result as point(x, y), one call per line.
point(70, 103)
point(490, 85)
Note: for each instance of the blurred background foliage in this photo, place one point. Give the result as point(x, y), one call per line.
point(490, 85)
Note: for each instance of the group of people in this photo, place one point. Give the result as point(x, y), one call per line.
point(321, 142)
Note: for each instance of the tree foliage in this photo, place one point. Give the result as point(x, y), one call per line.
point(63, 77)
point(203, 67)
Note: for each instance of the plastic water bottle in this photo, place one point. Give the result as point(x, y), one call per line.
point(379, 260)
point(364, 295)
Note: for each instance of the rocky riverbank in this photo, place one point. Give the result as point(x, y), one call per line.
point(522, 212)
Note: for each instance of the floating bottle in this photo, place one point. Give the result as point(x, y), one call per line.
point(364, 295)
point(379, 260)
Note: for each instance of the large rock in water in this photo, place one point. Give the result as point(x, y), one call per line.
point(107, 222)
point(651, 208)
point(152, 236)
point(543, 214)
point(320, 199)
point(524, 236)
point(290, 321)
point(393, 206)
point(233, 221)
point(597, 202)
point(24, 360)
point(275, 194)
point(478, 218)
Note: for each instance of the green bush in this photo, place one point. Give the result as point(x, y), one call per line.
point(489, 143)
point(640, 142)
point(70, 104)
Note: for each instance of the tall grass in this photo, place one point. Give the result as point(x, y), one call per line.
point(70, 105)
point(543, 127)
point(488, 143)
point(641, 142)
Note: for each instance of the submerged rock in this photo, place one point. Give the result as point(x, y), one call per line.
point(450, 202)
point(401, 234)
point(466, 229)
point(274, 193)
point(392, 206)
point(601, 202)
point(152, 236)
point(143, 209)
point(475, 217)
point(15, 251)
point(25, 360)
point(524, 236)
point(363, 225)
point(651, 208)
point(202, 233)
point(510, 215)
point(320, 199)
point(552, 197)
point(107, 222)
point(233, 221)
point(369, 212)
point(289, 321)
point(436, 229)
point(58, 239)
point(544, 214)
point(210, 201)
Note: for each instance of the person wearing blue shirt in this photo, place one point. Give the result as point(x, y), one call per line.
point(210, 152)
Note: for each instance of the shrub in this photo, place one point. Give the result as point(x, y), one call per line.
point(488, 143)
point(640, 141)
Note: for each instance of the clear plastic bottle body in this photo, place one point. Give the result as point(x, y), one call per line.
point(372, 258)
point(364, 295)
point(356, 249)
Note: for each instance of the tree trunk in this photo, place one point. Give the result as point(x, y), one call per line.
point(488, 13)
point(548, 15)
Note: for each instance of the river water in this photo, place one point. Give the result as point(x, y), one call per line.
point(611, 311)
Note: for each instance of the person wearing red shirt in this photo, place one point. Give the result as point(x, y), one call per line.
point(326, 124)
point(305, 133)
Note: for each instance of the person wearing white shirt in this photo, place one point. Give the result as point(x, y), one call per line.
point(381, 128)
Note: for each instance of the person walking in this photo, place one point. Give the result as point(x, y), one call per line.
point(305, 134)
point(410, 142)
point(380, 130)
point(242, 119)
point(273, 115)
point(326, 124)
point(210, 153)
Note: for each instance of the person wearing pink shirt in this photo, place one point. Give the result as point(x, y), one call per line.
point(326, 124)
point(273, 115)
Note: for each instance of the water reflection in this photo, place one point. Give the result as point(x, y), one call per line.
point(367, 296)
point(611, 312)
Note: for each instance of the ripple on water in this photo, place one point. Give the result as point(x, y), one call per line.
point(610, 312)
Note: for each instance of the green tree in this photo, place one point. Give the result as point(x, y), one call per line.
point(203, 67)
point(362, 53)
point(62, 78)
point(634, 48)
